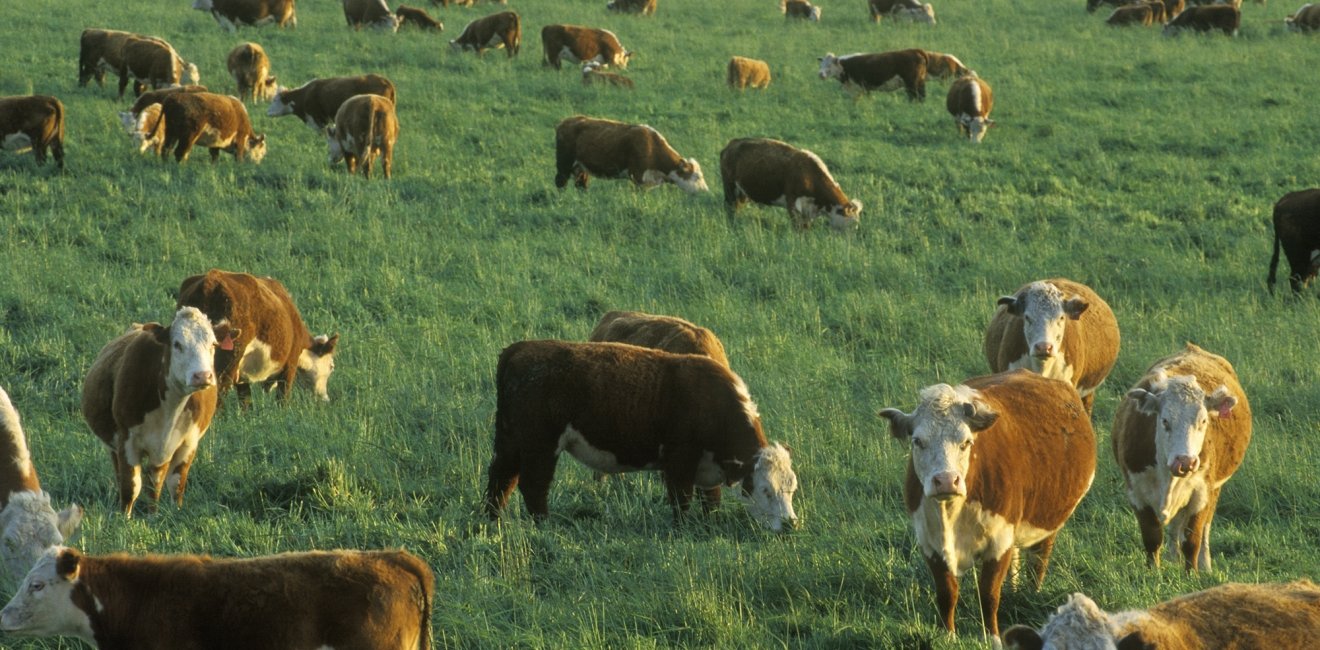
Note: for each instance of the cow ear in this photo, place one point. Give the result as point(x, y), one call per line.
point(900, 423)
point(66, 564)
point(330, 344)
point(1220, 402)
point(1073, 307)
point(160, 332)
point(979, 416)
point(1135, 641)
point(67, 521)
point(1021, 637)
point(1146, 401)
point(1013, 304)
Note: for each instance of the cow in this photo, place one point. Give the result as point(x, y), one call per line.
point(770, 172)
point(1179, 434)
point(503, 29)
point(658, 332)
point(217, 122)
point(923, 14)
point(272, 346)
point(1225, 18)
point(153, 62)
point(622, 408)
point(365, 600)
point(372, 13)
point(1058, 328)
point(150, 395)
point(1135, 14)
point(640, 7)
point(229, 14)
point(944, 66)
point(610, 149)
point(593, 74)
point(581, 44)
point(867, 72)
point(969, 101)
point(418, 18)
point(744, 72)
point(1232, 615)
point(33, 122)
point(100, 50)
point(1297, 232)
point(365, 127)
point(250, 68)
point(881, 8)
point(799, 9)
point(28, 523)
point(142, 121)
point(972, 489)
point(1305, 19)
point(316, 102)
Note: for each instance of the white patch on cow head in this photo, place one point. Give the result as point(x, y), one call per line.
point(830, 66)
point(941, 431)
point(192, 343)
point(279, 105)
point(29, 526)
point(976, 128)
point(814, 14)
point(688, 176)
point(256, 150)
point(1044, 312)
point(806, 206)
point(43, 604)
point(1078, 624)
point(773, 484)
point(317, 363)
point(846, 216)
point(1182, 412)
point(390, 22)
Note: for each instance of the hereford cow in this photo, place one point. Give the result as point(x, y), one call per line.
point(503, 29)
point(232, 13)
point(365, 127)
point(153, 62)
point(1233, 615)
point(1178, 436)
point(1297, 232)
point(417, 18)
point(316, 102)
point(609, 149)
point(1305, 19)
point(250, 68)
point(1058, 328)
point(272, 345)
point(867, 72)
point(217, 122)
point(660, 333)
point(372, 13)
point(142, 121)
point(641, 7)
point(744, 72)
point(150, 395)
point(770, 172)
point(969, 102)
point(33, 122)
point(1206, 18)
point(1136, 14)
point(581, 44)
point(100, 50)
point(799, 9)
point(28, 523)
point(972, 491)
point(593, 74)
point(881, 8)
point(365, 600)
point(622, 408)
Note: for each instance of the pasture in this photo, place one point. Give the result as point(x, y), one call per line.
point(1143, 166)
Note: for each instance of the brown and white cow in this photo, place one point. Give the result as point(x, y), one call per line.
point(33, 122)
point(770, 172)
point(660, 333)
point(317, 102)
point(1178, 436)
point(229, 14)
point(365, 127)
point(593, 74)
point(867, 72)
point(28, 523)
point(1225, 18)
point(100, 50)
point(744, 72)
point(577, 44)
point(1297, 232)
point(272, 344)
point(973, 491)
point(250, 68)
point(641, 7)
point(153, 63)
point(364, 600)
point(1305, 19)
point(622, 408)
point(944, 66)
point(1233, 615)
point(142, 120)
point(799, 9)
point(1058, 328)
point(610, 149)
point(1134, 14)
point(150, 395)
point(217, 122)
point(418, 18)
point(503, 29)
point(902, 9)
point(372, 13)
point(969, 102)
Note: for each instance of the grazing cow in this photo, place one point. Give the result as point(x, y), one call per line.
point(1297, 232)
point(372, 13)
point(1058, 328)
point(944, 66)
point(272, 345)
point(418, 18)
point(33, 122)
point(642, 7)
point(1233, 615)
point(1137, 14)
point(142, 120)
point(28, 523)
point(593, 74)
point(217, 122)
point(771, 172)
point(924, 14)
point(581, 44)
point(150, 395)
point(1178, 436)
point(1305, 19)
point(365, 127)
point(503, 29)
point(153, 62)
point(972, 489)
point(1225, 18)
point(609, 149)
point(364, 600)
point(744, 72)
point(881, 8)
point(969, 102)
point(622, 408)
point(250, 68)
point(100, 50)
point(229, 14)
point(658, 332)
point(867, 72)
point(316, 102)
point(799, 9)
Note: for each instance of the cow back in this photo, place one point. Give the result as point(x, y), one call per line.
point(365, 122)
point(1234, 615)
point(659, 332)
point(219, 118)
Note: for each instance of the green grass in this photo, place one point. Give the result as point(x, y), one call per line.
point(1141, 165)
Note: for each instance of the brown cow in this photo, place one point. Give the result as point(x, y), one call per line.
point(100, 50)
point(973, 491)
point(622, 408)
point(142, 120)
point(1305, 19)
point(1134, 14)
point(418, 18)
point(909, 9)
point(660, 333)
point(581, 44)
point(944, 66)
point(272, 345)
point(593, 74)
point(35, 122)
point(867, 72)
point(771, 172)
point(372, 13)
point(503, 29)
point(969, 102)
point(642, 7)
point(364, 128)
point(250, 68)
point(217, 122)
point(317, 102)
point(744, 72)
point(360, 600)
point(28, 523)
point(229, 14)
point(1178, 436)
point(1297, 232)
point(1225, 18)
point(154, 63)
point(150, 395)
point(799, 9)
point(609, 149)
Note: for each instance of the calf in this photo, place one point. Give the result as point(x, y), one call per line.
point(622, 408)
point(973, 489)
point(33, 122)
point(143, 119)
point(100, 50)
point(771, 172)
point(372, 13)
point(28, 523)
point(217, 122)
point(250, 68)
point(969, 102)
point(229, 14)
point(1206, 18)
point(418, 18)
point(1297, 232)
point(364, 128)
point(271, 344)
point(365, 600)
point(153, 62)
point(745, 72)
point(1305, 19)
point(503, 29)
point(660, 333)
point(1174, 471)
point(593, 74)
point(150, 395)
point(867, 72)
point(609, 149)
point(317, 102)
point(581, 44)
point(642, 7)
point(799, 9)
point(1137, 14)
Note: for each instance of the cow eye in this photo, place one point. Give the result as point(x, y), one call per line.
point(918, 443)
point(964, 445)
point(38, 586)
point(178, 346)
point(1166, 424)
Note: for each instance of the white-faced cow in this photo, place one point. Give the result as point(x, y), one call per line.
point(969, 102)
point(150, 395)
point(153, 63)
point(316, 102)
point(593, 74)
point(365, 127)
point(363, 600)
point(944, 66)
point(581, 44)
point(585, 146)
point(371, 13)
point(272, 345)
point(418, 18)
point(973, 489)
point(867, 72)
point(230, 14)
point(28, 523)
point(503, 29)
point(640, 7)
point(217, 122)
point(1178, 436)
point(1297, 232)
point(250, 68)
point(1058, 328)
point(33, 122)
point(895, 8)
point(801, 9)
point(101, 50)
point(1134, 14)
point(744, 72)
point(1305, 19)
point(142, 121)
point(1206, 18)
point(770, 172)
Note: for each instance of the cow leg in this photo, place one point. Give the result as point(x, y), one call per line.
point(351, 161)
point(535, 477)
point(177, 480)
point(710, 499)
point(157, 483)
point(139, 88)
point(1194, 535)
point(215, 154)
point(1088, 401)
point(581, 179)
point(185, 146)
point(129, 479)
point(502, 478)
point(732, 201)
point(564, 165)
point(991, 580)
point(368, 158)
point(123, 83)
point(1152, 535)
point(1038, 559)
point(946, 590)
point(386, 159)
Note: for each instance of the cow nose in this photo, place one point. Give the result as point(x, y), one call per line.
point(203, 378)
point(1184, 465)
point(947, 484)
point(1043, 349)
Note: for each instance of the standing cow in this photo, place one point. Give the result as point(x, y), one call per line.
point(372, 13)
point(581, 44)
point(799, 9)
point(503, 29)
point(250, 68)
point(154, 63)
point(365, 127)
point(35, 122)
point(771, 172)
point(418, 18)
point(217, 122)
point(744, 72)
point(229, 14)
point(100, 50)
point(143, 120)
point(316, 102)
point(867, 72)
point(969, 102)
point(609, 149)
point(28, 523)
point(640, 7)
point(1297, 232)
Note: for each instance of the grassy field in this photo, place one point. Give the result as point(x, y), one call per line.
point(1143, 166)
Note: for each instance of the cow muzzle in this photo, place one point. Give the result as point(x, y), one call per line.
point(946, 485)
point(1183, 466)
point(1042, 350)
point(201, 379)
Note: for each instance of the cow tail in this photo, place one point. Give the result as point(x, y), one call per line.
point(1274, 261)
point(156, 135)
point(425, 589)
point(57, 137)
point(516, 38)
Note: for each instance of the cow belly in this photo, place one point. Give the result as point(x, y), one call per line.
point(1167, 496)
point(258, 364)
point(600, 460)
point(963, 533)
point(16, 142)
point(495, 41)
point(161, 433)
point(214, 139)
point(780, 201)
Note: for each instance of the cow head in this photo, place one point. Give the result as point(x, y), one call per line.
point(688, 176)
point(29, 526)
point(256, 149)
point(1045, 313)
point(814, 14)
point(266, 89)
point(44, 604)
point(846, 216)
point(388, 21)
point(923, 14)
point(280, 104)
point(942, 431)
point(830, 66)
point(190, 342)
point(621, 60)
point(769, 489)
point(975, 126)
point(317, 363)
point(1079, 624)
point(1182, 412)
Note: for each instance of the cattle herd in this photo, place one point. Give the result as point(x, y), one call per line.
point(645, 392)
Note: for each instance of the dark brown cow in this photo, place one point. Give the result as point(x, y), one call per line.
point(744, 72)
point(1297, 232)
point(372, 13)
point(28, 523)
point(217, 122)
point(273, 345)
point(800, 9)
point(1137, 14)
point(867, 72)
point(609, 149)
point(151, 62)
point(316, 102)
point(503, 29)
point(974, 491)
point(229, 14)
point(771, 172)
point(365, 127)
point(622, 408)
point(33, 121)
point(100, 50)
point(417, 18)
point(969, 101)
point(1305, 19)
point(351, 600)
point(593, 74)
point(577, 44)
point(1225, 18)
point(142, 120)
point(641, 7)
point(660, 333)
point(901, 9)
point(250, 68)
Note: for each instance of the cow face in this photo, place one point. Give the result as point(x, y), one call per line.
point(976, 126)
point(846, 216)
point(923, 14)
point(941, 432)
point(688, 176)
point(317, 363)
point(190, 343)
point(280, 105)
point(1045, 314)
point(29, 526)
point(830, 66)
point(1182, 412)
point(1078, 624)
point(769, 490)
point(43, 604)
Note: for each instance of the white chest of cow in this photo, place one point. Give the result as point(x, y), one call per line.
point(963, 533)
point(1055, 367)
point(163, 434)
